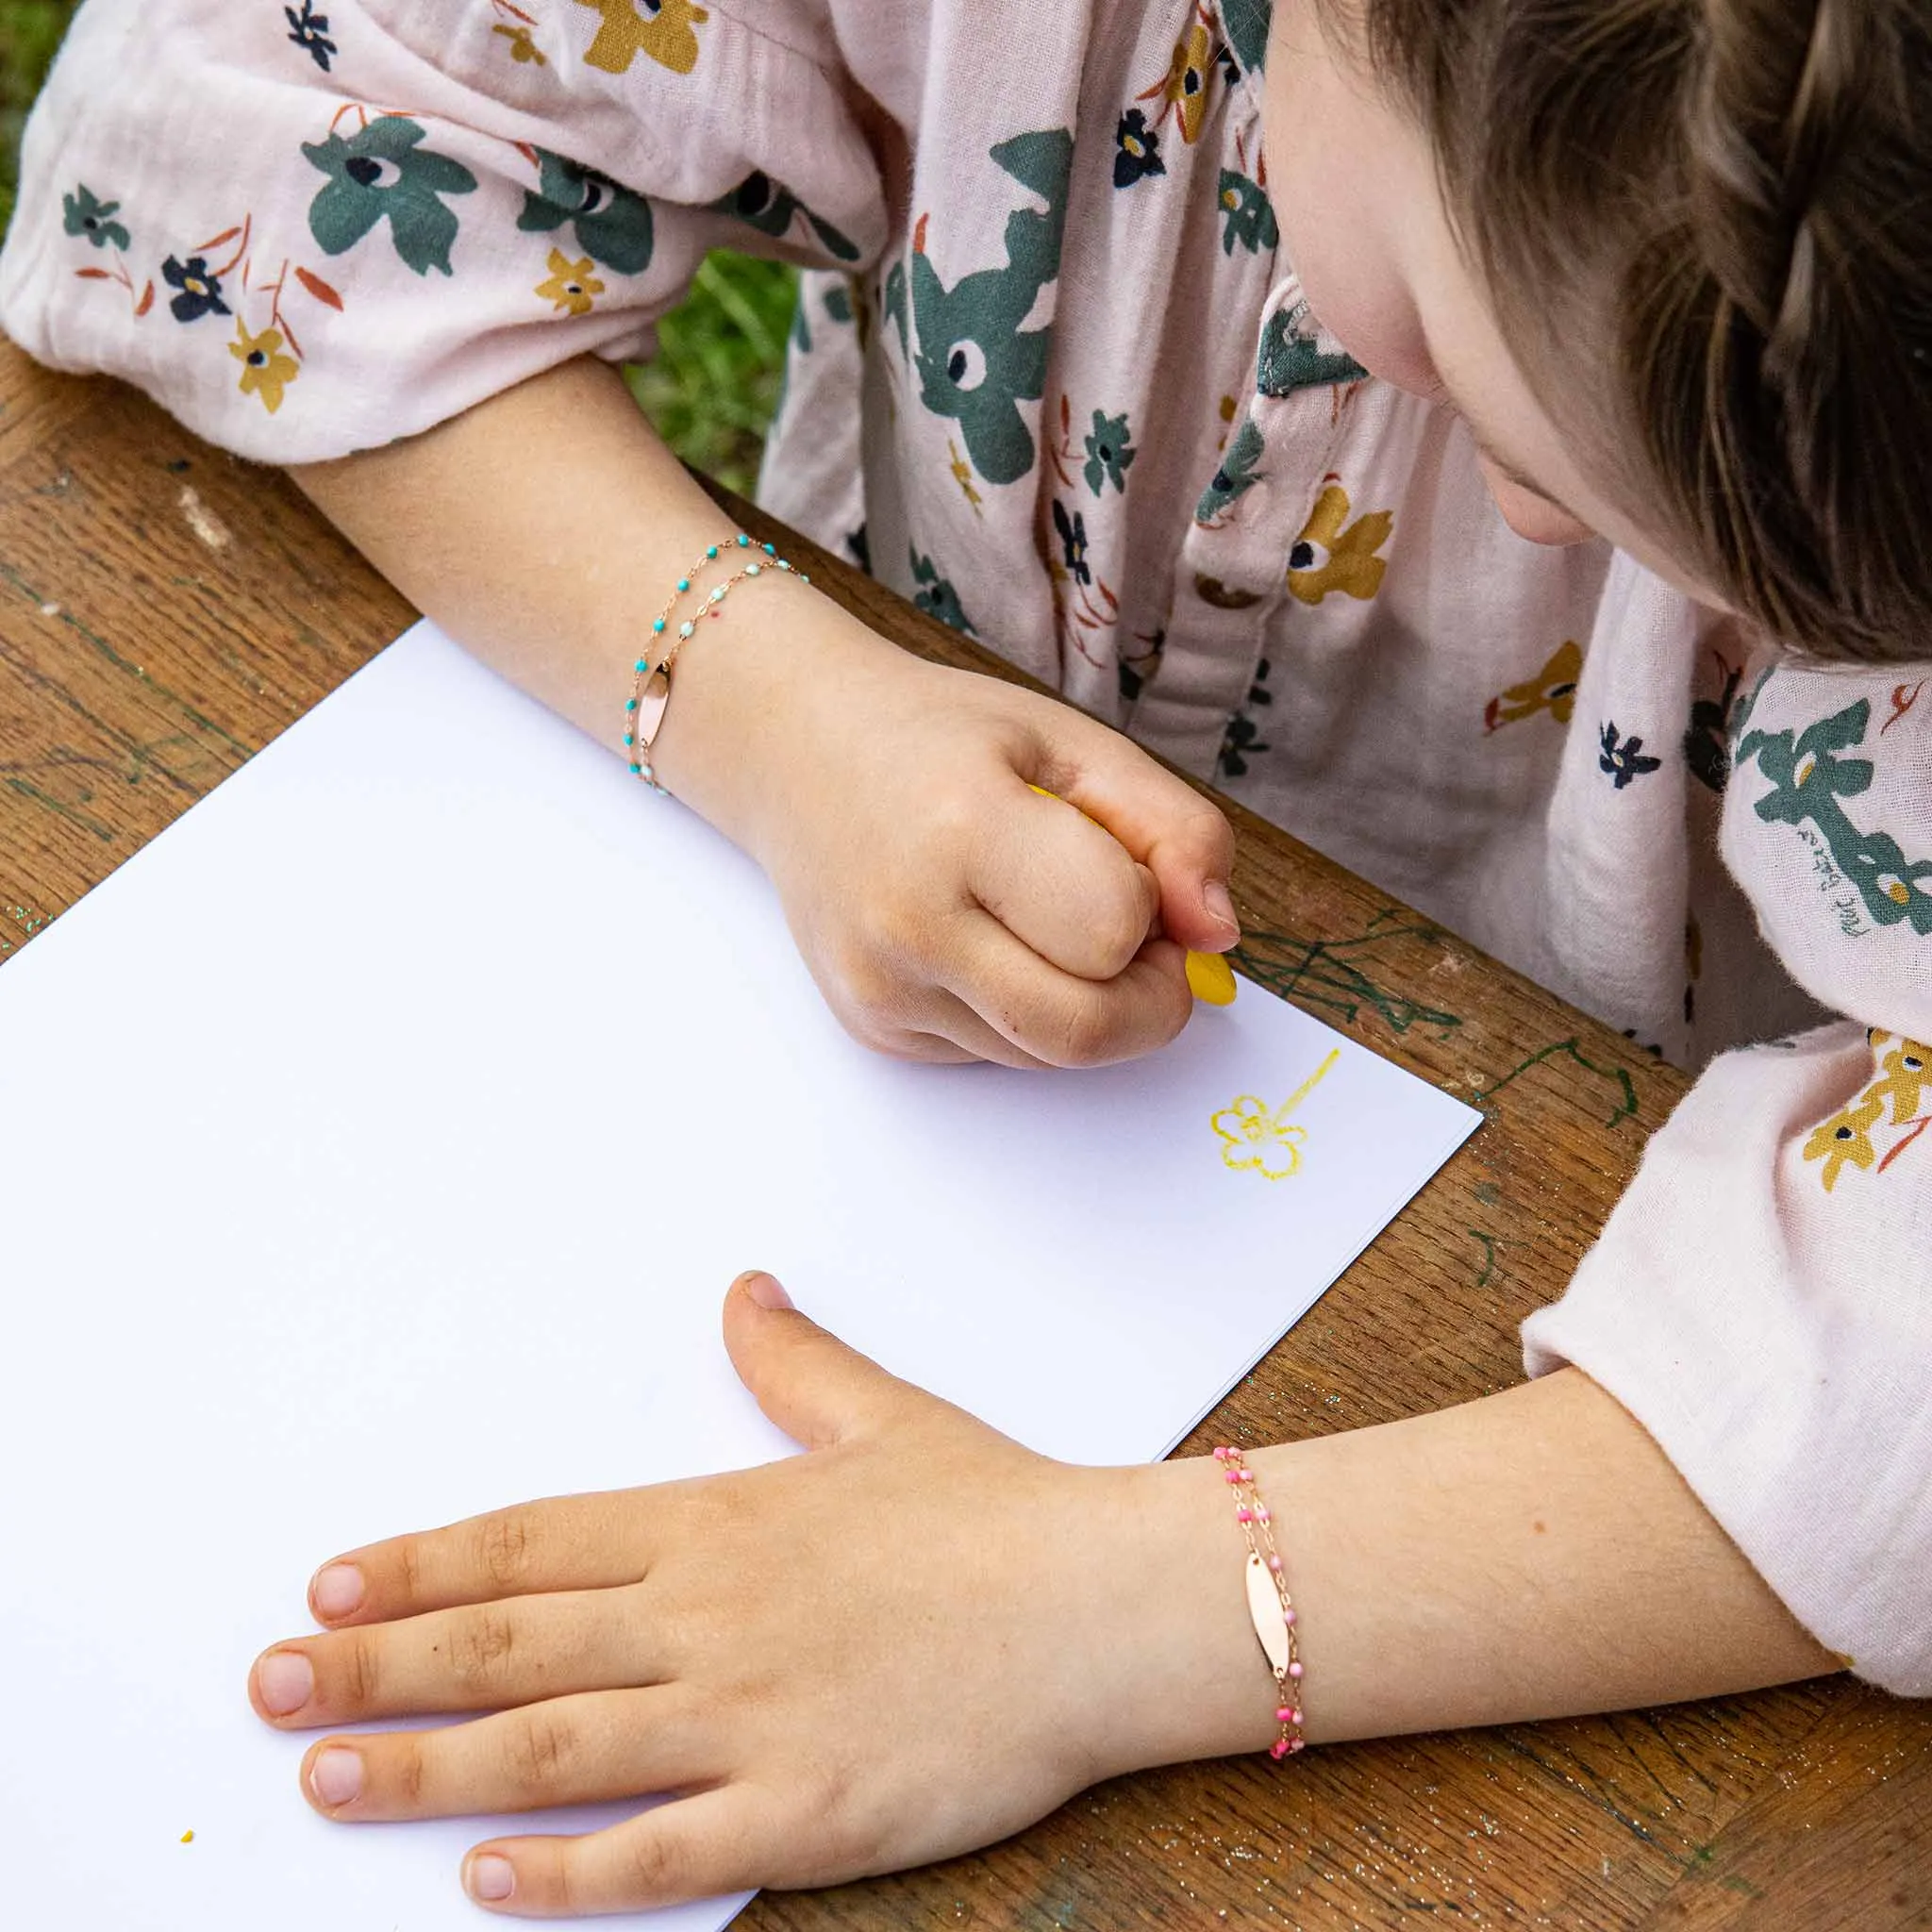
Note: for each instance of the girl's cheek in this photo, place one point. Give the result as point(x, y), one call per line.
point(1531, 516)
point(1363, 301)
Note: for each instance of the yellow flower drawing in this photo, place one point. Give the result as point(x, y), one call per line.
point(572, 285)
point(1258, 1136)
point(266, 371)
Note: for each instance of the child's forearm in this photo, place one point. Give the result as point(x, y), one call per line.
point(920, 1637)
point(545, 529)
point(947, 910)
point(1531, 1555)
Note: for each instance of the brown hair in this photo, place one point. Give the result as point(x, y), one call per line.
point(1705, 229)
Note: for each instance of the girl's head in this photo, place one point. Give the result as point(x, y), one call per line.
point(1672, 259)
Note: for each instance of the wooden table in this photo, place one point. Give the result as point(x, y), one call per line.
point(165, 611)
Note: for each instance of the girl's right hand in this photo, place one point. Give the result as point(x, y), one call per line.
point(946, 908)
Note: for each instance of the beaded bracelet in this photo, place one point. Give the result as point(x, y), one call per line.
point(1269, 1607)
point(643, 713)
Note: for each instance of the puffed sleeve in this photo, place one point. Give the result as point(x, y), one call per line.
point(311, 229)
point(1762, 1298)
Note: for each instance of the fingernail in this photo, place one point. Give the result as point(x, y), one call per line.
point(1214, 896)
point(336, 1590)
point(492, 1878)
point(336, 1776)
point(286, 1680)
point(766, 1293)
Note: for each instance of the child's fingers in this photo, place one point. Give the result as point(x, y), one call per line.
point(1062, 884)
point(1060, 1018)
point(1162, 821)
point(953, 1034)
point(814, 1386)
point(566, 1542)
point(573, 1750)
point(697, 1848)
point(480, 1656)
point(939, 1029)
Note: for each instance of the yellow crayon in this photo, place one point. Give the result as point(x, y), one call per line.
point(1211, 978)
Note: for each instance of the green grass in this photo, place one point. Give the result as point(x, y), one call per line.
point(30, 32)
point(714, 382)
point(713, 385)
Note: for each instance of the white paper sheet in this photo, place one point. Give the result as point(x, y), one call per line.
point(376, 1146)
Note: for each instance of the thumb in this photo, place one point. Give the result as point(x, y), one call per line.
point(807, 1381)
point(1164, 822)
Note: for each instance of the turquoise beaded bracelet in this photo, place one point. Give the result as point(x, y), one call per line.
point(643, 713)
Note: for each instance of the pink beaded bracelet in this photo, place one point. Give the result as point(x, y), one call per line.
point(1268, 1604)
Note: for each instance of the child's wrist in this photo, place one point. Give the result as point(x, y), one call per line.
point(1184, 1677)
point(739, 724)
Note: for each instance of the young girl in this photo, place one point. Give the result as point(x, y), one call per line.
point(1238, 439)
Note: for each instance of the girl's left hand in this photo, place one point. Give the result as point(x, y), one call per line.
point(915, 1640)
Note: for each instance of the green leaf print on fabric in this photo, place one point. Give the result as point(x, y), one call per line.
point(1237, 474)
point(1291, 357)
point(84, 213)
point(1808, 777)
point(612, 225)
point(977, 364)
point(1110, 453)
point(937, 597)
point(836, 303)
point(1245, 23)
point(771, 207)
point(1247, 215)
point(892, 300)
point(385, 174)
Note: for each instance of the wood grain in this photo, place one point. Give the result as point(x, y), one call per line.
point(165, 611)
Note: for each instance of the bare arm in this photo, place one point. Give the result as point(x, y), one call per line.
point(946, 911)
point(1531, 1555)
point(920, 1637)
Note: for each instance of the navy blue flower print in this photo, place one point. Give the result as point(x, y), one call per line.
point(201, 291)
point(1243, 738)
point(1073, 531)
point(1622, 758)
point(1136, 150)
point(310, 29)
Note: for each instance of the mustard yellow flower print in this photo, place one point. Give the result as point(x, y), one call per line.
point(1845, 1140)
point(1255, 1135)
point(571, 286)
point(1552, 690)
point(266, 372)
point(523, 48)
point(1907, 1078)
point(1190, 75)
point(665, 31)
point(517, 28)
point(1333, 554)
